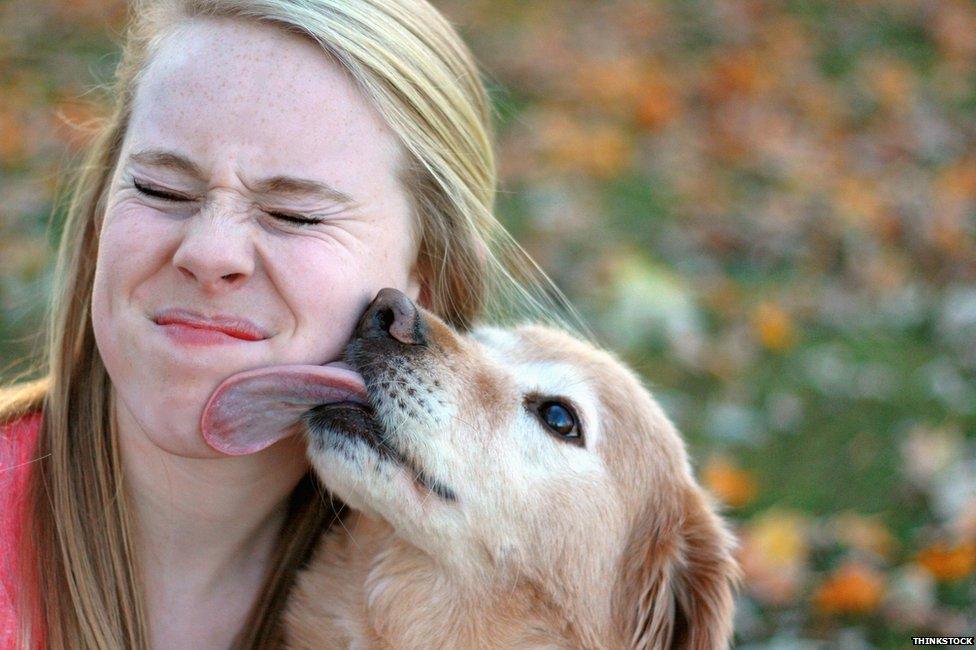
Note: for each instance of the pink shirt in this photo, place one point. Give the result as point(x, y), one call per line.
point(17, 442)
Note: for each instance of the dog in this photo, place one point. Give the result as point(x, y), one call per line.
point(509, 488)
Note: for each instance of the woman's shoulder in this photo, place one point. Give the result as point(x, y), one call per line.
point(20, 420)
point(18, 444)
point(20, 423)
point(21, 399)
point(17, 440)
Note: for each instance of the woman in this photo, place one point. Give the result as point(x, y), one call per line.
point(268, 166)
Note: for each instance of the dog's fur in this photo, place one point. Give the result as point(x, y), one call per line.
point(485, 530)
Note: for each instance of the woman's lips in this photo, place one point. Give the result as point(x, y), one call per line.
point(188, 335)
point(192, 328)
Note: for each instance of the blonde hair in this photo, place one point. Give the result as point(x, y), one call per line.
point(410, 63)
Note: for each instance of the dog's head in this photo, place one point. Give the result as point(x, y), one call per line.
point(525, 454)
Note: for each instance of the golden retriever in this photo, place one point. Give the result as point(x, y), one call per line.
point(511, 488)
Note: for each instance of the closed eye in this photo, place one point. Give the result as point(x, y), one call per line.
point(156, 193)
point(293, 218)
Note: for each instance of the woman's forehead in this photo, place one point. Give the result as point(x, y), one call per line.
point(273, 100)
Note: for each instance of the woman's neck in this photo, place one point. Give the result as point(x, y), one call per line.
point(205, 529)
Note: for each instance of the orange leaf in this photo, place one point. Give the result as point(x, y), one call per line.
point(948, 562)
point(774, 326)
point(728, 482)
point(852, 589)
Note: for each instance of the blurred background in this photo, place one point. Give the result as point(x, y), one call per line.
point(767, 208)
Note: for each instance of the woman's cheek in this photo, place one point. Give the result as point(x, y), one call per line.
point(327, 279)
point(324, 286)
point(132, 249)
point(135, 241)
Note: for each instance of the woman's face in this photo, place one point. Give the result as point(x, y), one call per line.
point(255, 183)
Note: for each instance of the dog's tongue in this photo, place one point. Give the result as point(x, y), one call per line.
point(255, 409)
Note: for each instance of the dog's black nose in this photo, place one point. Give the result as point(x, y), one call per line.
point(393, 315)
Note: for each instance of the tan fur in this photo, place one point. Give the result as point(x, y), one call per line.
point(629, 555)
point(403, 599)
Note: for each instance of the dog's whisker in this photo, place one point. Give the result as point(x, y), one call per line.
point(25, 463)
point(349, 535)
point(515, 582)
point(337, 517)
point(390, 383)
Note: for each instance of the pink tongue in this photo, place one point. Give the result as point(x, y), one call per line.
point(255, 409)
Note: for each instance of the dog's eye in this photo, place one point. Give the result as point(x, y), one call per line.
point(560, 419)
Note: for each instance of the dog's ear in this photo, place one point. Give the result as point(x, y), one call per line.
point(677, 579)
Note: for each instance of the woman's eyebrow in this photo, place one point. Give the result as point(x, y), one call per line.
point(300, 188)
point(167, 160)
point(279, 185)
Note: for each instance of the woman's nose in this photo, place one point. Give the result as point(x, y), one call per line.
point(216, 251)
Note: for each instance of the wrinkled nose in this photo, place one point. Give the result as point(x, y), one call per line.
point(393, 315)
